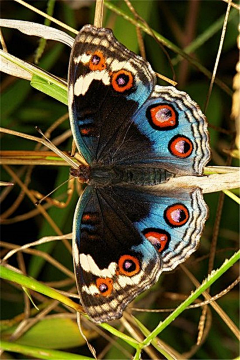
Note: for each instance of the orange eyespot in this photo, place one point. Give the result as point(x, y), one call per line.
point(162, 117)
point(122, 80)
point(105, 286)
point(128, 265)
point(181, 146)
point(97, 61)
point(176, 215)
point(160, 239)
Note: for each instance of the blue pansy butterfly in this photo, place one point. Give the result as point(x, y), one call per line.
point(134, 135)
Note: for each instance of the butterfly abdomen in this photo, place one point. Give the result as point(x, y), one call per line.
point(145, 176)
point(121, 175)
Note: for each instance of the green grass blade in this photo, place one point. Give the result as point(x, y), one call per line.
point(47, 22)
point(204, 286)
point(120, 335)
point(35, 352)
point(232, 196)
point(33, 284)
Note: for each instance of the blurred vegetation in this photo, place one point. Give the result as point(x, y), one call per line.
point(23, 108)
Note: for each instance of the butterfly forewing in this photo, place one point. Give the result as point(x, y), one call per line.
point(107, 84)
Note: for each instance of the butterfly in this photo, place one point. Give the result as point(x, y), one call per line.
point(134, 135)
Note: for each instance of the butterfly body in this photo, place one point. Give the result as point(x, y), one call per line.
point(134, 135)
point(110, 175)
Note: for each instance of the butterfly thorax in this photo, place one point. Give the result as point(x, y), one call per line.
point(108, 175)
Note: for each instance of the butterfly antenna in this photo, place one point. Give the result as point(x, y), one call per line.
point(46, 196)
point(54, 148)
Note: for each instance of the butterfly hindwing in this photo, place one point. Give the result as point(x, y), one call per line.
point(124, 238)
point(113, 261)
point(172, 221)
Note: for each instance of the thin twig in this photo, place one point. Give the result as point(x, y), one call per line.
point(98, 18)
point(60, 23)
point(218, 55)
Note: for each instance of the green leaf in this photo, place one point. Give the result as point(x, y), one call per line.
point(50, 89)
point(52, 333)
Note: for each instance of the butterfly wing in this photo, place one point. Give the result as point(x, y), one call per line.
point(107, 84)
point(113, 261)
point(116, 114)
point(173, 131)
point(124, 237)
point(173, 220)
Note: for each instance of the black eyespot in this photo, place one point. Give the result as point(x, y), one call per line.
point(122, 80)
point(95, 59)
point(103, 288)
point(128, 265)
